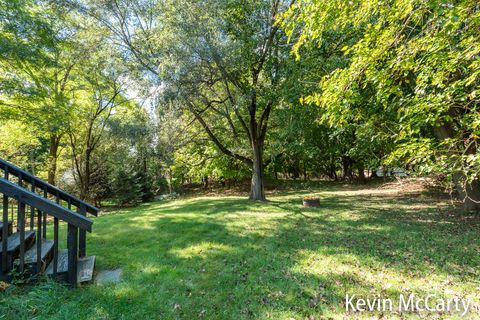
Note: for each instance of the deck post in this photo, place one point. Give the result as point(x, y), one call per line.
point(83, 234)
point(5, 234)
point(72, 244)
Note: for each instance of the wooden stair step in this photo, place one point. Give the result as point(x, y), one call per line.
point(8, 225)
point(62, 265)
point(14, 241)
point(85, 266)
point(31, 255)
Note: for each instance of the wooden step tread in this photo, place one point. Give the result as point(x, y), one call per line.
point(14, 240)
point(62, 265)
point(31, 255)
point(85, 266)
point(1, 224)
point(8, 225)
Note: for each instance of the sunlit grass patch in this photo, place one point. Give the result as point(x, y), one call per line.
point(229, 258)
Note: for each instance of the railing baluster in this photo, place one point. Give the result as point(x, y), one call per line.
point(23, 195)
point(50, 189)
point(83, 234)
point(12, 213)
point(32, 209)
point(55, 240)
point(39, 240)
point(5, 229)
point(72, 246)
point(20, 183)
point(45, 195)
point(21, 226)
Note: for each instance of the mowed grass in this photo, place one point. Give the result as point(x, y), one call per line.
point(229, 258)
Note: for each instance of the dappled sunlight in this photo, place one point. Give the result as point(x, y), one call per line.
point(204, 250)
point(100, 312)
point(123, 291)
point(372, 272)
point(279, 260)
point(252, 159)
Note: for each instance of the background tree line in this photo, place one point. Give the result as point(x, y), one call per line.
point(122, 100)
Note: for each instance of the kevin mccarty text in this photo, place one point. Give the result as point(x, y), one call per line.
point(410, 303)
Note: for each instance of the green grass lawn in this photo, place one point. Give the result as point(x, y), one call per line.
point(228, 258)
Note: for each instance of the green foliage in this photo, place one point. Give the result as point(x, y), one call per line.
point(18, 143)
point(101, 183)
point(63, 92)
point(35, 66)
point(370, 83)
point(412, 74)
point(127, 185)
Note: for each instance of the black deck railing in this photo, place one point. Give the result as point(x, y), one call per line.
point(43, 200)
point(27, 177)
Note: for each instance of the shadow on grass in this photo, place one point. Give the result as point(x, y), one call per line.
point(252, 272)
point(231, 258)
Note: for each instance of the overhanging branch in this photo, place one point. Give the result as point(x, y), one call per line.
point(215, 140)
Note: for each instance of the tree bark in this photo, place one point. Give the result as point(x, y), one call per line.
point(85, 186)
point(170, 181)
point(205, 182)
point(305, 178)
point(468, 193)
point(296, 169)
point(52, 158)
point(471, 199)
point(361, 173)
point(257, 191)
point(332, 172)
point(347, 167)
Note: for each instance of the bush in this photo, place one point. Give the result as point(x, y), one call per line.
point(127, 186)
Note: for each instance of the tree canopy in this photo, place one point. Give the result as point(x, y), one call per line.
point(158, 95)
point(413, 72)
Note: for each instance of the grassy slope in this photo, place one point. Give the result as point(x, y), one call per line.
point(228, 258)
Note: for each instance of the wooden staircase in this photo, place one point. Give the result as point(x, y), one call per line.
point(26, 248)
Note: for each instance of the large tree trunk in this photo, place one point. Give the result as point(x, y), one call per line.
point(85, 185)
point(305, 177)
point(257, 191)
point(52, 158)
point(347, 167)
point(170, 181)
point(361, 173)
point(472, 199)
point(468, 193)
point(205, 182)
point(332, 173)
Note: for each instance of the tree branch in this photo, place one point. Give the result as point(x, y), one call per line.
point(215, 140)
